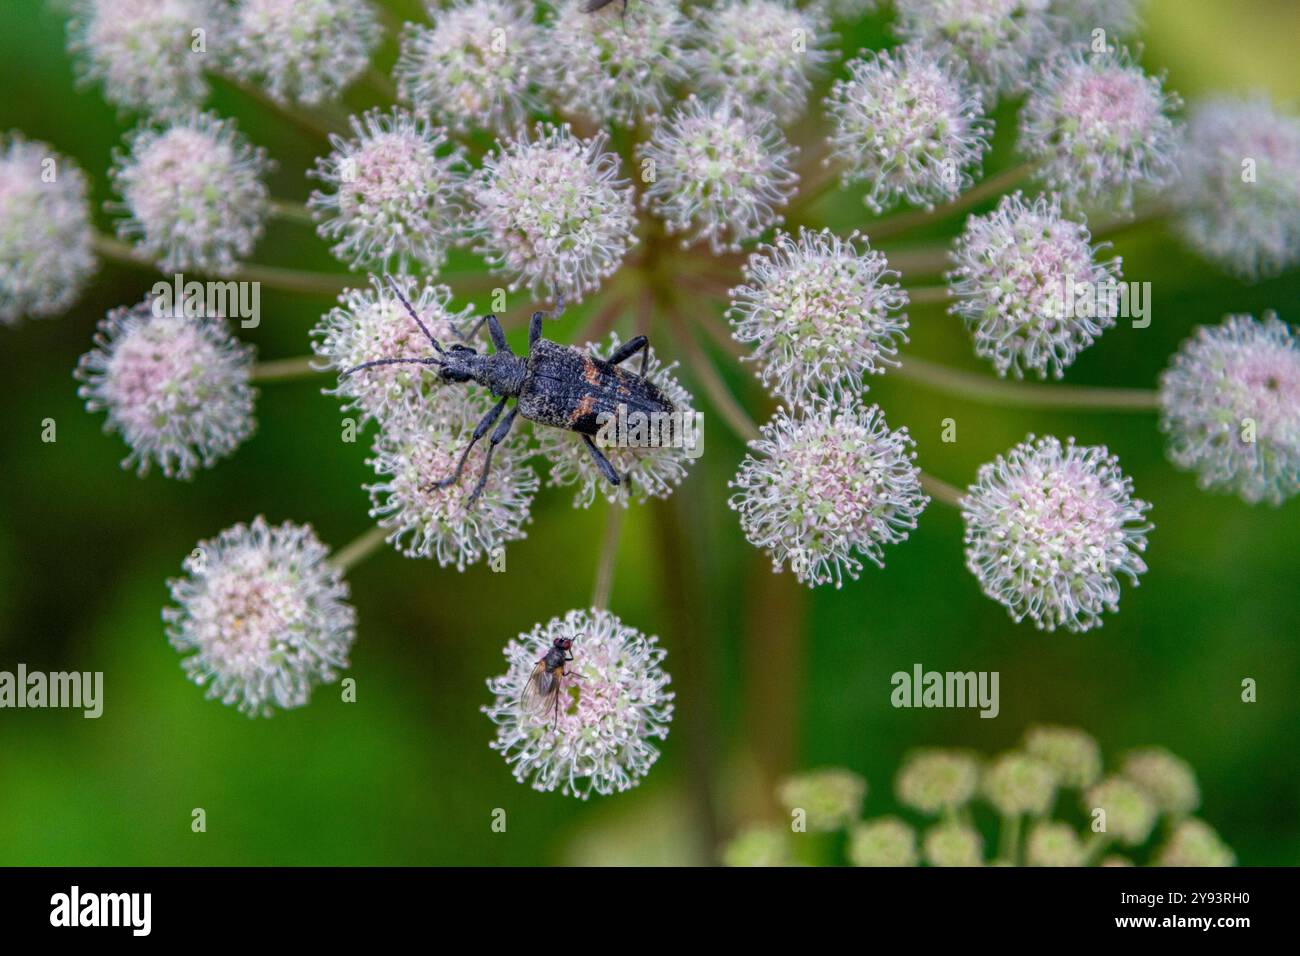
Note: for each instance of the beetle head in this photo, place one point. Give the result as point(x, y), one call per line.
point(458, 364)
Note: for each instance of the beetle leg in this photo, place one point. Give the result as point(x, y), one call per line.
point(629, 348)
point(497, 333)
point(601, 461)
point(498, 436)
point(479, 431)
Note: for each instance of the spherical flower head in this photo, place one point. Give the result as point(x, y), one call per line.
point(1239, 186)
point(760, 845)
point(763, 52)
point(1016, 783)
point(1049, 529)
point(820, 314)
point(885, 841)
point(717, 172)
point(936, 781)
point(1000, 40)
point(144, 51)
point(421, 447)
point(193, 193)
point(1130, 812)
point(830, 798)
point(908, 126)
point(821, 490)
point(1053, 844)
point(475, 66)
point(1074, 755)
point(391, 194)
point(372, 324)
point(953, 844)
point(1021, 280)
point(1114, 859)
point(614, 704)
point(651, 458)
point(303, 51)
point(1167, 778)
point(1230, 404)
point(1195, 843)
point(1079, 18)
point(175, 386)
point(1100, 127)
point(45, 231)
point(262, 616)
point(552, 213)
point(613, 66)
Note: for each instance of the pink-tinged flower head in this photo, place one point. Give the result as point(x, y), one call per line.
point(717, 172)
point(1022, 280)
point(1049, 529)
point(46, 231)
point(262, 615)
point(763, 52)
point(1079, 18)
point(193, 193)
point(372, 324)
point(391, 193)
point(303, 51)
point(419, 448)
point(176, 387)
point(1195, 843)
point(615, 67)
point(1100, 127)
point(820, 314)
point(999, 40)
point(1239, 190)
point(1167, 778)
point(821, 491)
point(906, 124)
point(552, 213)
point(1230, 404)
point(475, 66)
point(150, 55)
point(614, 704)
point(651, 456)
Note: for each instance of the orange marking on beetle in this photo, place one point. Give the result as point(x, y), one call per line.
point(586, 406)
point(589, 371)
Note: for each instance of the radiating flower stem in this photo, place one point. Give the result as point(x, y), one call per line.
point(285, 370)
point(1094, 847)
point(312, 121)
point(731, 411)
point(990, 391)
point(940, 490)
point(608, 557)
point(361, 548)
point(291, 211)
point(1010, 839)
point(914, 261)
point(380, 83)
point(1109, 228)
point(913, 219)
point(287, 280)
point(927, 294)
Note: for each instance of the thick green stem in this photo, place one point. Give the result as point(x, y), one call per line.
point(291, 211)
point(990, 391)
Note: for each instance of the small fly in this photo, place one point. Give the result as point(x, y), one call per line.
point(542, 692)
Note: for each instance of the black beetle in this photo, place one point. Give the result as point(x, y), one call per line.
point(556, 385)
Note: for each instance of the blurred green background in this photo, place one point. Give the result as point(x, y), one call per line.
point(769, 678)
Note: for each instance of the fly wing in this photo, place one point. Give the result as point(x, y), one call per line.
point(539, 693)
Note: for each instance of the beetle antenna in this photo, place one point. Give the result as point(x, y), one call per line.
point(391, 361)
point(423, 328)
point(559, 306)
